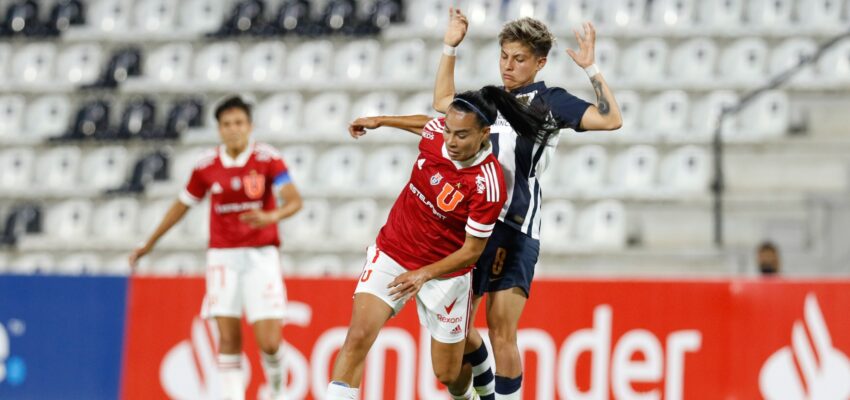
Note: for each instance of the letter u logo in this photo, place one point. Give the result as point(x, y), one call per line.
point(449, 206)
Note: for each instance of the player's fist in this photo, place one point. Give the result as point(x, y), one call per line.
point(359, 126)
point(457, 27)
point(258, 218)
point(586, 45)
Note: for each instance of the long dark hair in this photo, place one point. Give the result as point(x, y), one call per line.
point(534, 123)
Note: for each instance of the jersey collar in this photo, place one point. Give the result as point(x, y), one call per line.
point(478, 159)
point(534, 87)
point(240, 160)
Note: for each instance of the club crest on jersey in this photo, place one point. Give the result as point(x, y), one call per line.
point(436, 179)
point(255, 185)
point(479, 184)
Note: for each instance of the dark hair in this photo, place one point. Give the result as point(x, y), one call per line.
point(535, 123)
point(529, 32)
point(230, 103)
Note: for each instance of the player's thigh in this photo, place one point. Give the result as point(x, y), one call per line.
point(264, 295)
point(473, 337)
point(504, 308)
point(379, 270)
point(229, 334)
point(223, 288)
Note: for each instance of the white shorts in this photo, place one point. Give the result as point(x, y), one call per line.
point(246, 277)
point(442, 304)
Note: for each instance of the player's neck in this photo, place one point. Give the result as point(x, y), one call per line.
point(234, 152)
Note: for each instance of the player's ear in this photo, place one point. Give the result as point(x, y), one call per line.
point(541, 62)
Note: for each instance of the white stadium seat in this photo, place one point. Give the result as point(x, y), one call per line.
point(16, 168)
point(744, 61)
point(465, 63)
point(197, 224)
point(770, 13)
point(6, 54)
point(707, 110)
point(767, 116)
point(311, 61)
point(603, 225)
point(645, 61)
point(170, 63)
point(487, 63)
point(328, 115)
point(48, 116)
point(789, 54)
point(819, 14)
point(156, 15)
point(667, 114)
point(59, 167)
point(11, 115)
point(264, 62)
point(572, 13)
point(624, 13)
point(418, 104)
point(557, 222)
point(323, 265)
point(308, 226)
point(300, 160)
point(686, 170)
point(79, 64)
point(630, 109)
point(201, 15)
point(33, 63)
point(834, 64)
point(607, 57)
point(672, 13)
point(119, 265)
point(279, 116)
point(178, 264)
point(79, 264)
point(106, 167)
point(340, 167)
point(31, 263)
point(388, 169)
point(635, 169)
point(355, 222)
point(405, 61)
point(559, 66)
point(482, 13)
point(538, 9)
point(428, 14)
point(184, 162)
point(110, 15)
point(116, 219)
point(69, 220)
point(694, 61)
point(358, 61)
point(375, 104)
point(150, 217)
point(584, 169)
point(218, 63)
point(721, 13)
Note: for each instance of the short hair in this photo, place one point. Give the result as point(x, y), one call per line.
point(530, 32)
point(231, 103)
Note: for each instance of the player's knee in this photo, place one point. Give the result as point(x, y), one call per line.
point(230, 343)
point(447, 374)
point(268, 346)
point(358, 338)
point(502, 336)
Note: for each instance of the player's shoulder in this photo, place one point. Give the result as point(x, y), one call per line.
point(206, 158)
point(434, 128)
point(264, 152)
point(489, 181)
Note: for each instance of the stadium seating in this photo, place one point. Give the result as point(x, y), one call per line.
point(389, 168)
point(16, 168)
point(633, 171)
point(33, 64)
point(719, 14)
point(69, 220)
point(672, 13)
point(32, 263)
point(686, 170)
point(201, 16)
point(342, 168)
point(116, 219)
point(106, 167)
point(584, 170)
point(155, 15)
point(169, 63)
point(47, 116)
point(217, 63)
point(311, 61)
point(557, 222)
point(769, 13)
point(332, 113)
point(80, 64)
point(58, 168)
point(694, 61)
point(263, 62)
point(744, 61)
point(645, 61)
point(674, 106)
point(355, 222)
point(483, 13)
point(602, 225)
point(404, 61)
point(79, 264)
point(12, 111)
point(362, 61)
point(110, 15)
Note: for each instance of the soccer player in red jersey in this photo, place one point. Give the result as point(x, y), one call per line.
point(243, 263)
point(435, 232)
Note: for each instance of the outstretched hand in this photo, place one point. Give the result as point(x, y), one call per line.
point(586, 44)
point(359, 126)
point(457, 27)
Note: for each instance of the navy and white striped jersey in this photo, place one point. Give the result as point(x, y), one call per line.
point(523, 161)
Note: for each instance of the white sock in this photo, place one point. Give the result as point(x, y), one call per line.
point(273, 366)
point(467, 395)
point(341, 391)
point(230, 371)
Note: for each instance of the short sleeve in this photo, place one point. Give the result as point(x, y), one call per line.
point(278, 172)
point(432, 135)
point(195, 190)
point(487, 200)
point(566, 108)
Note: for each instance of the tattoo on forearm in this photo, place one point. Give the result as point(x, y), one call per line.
point(603, 106)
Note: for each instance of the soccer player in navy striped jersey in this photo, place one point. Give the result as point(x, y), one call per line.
point(506, 267)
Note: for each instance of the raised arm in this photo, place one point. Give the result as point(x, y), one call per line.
point(444, 85)
point(410, 123)
point(605, 115)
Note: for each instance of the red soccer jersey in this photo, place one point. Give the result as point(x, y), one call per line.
point(443, 201)
point(237, 185)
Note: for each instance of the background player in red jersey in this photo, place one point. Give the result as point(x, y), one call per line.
point(436, 230)
point(243, 263)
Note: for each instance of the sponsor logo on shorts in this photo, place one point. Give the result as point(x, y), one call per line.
point(456, 331)
point(449, 320)
point(450, 306)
